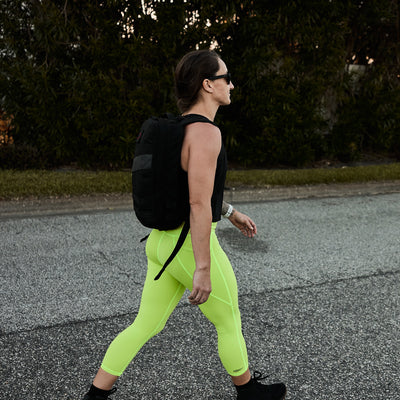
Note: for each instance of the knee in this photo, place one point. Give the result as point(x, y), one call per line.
point(146, 328)
point(227, 321)
point(157, 328)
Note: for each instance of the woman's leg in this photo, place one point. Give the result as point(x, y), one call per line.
point(159, 299)
point(222, 310)
point(241, 379)
point(222, 306)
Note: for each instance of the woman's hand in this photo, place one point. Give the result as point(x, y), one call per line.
point(244, 223)
point(201, 286)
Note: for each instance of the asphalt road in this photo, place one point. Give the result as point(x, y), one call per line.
point(319, 293)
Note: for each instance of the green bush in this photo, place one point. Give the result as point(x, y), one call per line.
point(369, 117)
point(22, 157)
point(79, 78)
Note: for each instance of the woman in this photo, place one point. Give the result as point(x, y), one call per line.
point(202, 85)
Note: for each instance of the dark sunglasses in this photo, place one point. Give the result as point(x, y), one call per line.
point(226, 76)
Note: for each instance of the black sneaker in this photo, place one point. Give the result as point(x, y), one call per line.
point(99, 396)
point(258, 391)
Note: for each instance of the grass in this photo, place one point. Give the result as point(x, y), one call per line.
point(33, 183)
point(40, 183)
point(265, 178)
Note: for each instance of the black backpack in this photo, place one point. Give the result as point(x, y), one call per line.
point(159, 184)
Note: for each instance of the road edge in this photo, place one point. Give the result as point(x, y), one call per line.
point(30, 207)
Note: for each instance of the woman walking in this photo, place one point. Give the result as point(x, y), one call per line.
point(203, 83)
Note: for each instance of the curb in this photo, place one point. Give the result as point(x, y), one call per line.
point(275, 193)
point(33, 207)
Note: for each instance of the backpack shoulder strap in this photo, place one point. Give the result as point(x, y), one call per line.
point(181, 239)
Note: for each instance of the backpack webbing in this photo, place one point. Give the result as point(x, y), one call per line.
point(181, 240)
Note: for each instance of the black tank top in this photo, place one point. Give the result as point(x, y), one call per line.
point(219, 184)
point(219, 181)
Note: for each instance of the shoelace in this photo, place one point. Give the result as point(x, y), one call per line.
point(258, 376)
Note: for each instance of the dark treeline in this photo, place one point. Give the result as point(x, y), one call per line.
point(313, 79)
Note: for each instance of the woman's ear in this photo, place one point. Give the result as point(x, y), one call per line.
point(207, 86)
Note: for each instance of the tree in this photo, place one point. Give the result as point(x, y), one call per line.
point(65, 79)
point(79, 77)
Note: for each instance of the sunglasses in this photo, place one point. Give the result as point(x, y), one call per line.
point(226, 76)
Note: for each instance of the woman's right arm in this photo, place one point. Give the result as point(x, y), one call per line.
point(200, 152)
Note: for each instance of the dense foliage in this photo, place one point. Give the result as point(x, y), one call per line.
point(313, 79)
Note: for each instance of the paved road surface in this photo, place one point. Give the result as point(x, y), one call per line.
point(319, 293)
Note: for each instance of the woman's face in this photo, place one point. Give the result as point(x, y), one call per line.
point(221, 86)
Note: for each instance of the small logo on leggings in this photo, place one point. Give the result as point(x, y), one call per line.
point(237, 370)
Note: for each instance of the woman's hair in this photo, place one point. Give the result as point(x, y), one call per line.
point(193, 68)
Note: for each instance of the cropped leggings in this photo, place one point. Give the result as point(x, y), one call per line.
point(159, 299)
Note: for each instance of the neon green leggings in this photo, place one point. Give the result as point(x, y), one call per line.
point(159, 299)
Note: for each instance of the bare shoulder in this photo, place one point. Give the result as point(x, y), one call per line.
point(201, 145)
point(200, 132)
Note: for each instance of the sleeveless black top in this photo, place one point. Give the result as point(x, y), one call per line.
point(219, 181)
point(219, 184)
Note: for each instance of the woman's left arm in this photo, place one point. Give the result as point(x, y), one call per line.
point(244, 223)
